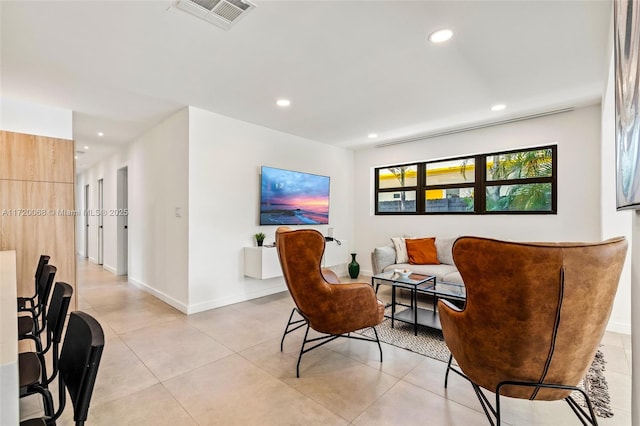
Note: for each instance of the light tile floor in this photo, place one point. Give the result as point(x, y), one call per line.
point(224, 367)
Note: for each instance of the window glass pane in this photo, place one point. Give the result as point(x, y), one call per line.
point(525, 197)
point(520, 165)
point(398, 177)
point(451, 171)
point(398, 201)
point(449, 200)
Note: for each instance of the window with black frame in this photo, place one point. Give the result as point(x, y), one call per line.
point(519, 181)
point(396, 189)
point(450, 186)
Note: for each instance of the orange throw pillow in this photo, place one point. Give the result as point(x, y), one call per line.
point(422, 251)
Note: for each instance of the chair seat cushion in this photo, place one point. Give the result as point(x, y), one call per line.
point(22, 303)
point(29, 368)
point(25, 326)
point(33, 422)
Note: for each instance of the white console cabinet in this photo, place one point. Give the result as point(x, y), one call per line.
point(263, 262)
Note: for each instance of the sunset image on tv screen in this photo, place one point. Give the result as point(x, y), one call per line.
point(293, 198)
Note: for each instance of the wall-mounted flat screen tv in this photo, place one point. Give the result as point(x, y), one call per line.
point(288, 197)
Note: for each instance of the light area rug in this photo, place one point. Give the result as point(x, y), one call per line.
point(430, 343)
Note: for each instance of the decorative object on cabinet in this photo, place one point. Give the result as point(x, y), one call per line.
point(354, 267)
point(262, 262)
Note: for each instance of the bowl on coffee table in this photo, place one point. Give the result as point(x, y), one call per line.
point(403, 273)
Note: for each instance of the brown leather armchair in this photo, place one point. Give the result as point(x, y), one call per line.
point(325, 305)
point(534, 316)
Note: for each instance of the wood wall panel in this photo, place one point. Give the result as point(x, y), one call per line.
point(37, 206)
point(36, 158)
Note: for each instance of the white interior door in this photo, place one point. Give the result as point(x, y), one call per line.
point(123, 222)
point(100, 221)
point(86, 221)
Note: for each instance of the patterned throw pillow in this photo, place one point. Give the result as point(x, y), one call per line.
point(400, 246)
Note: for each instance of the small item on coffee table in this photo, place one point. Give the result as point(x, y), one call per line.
point(404, 273)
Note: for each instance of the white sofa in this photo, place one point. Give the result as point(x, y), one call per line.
point(385, 258)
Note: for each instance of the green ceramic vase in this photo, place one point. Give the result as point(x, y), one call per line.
point(353, 267)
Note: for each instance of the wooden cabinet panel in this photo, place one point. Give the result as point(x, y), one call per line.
point(38, 218)
point(36, 158)
point(37, 205)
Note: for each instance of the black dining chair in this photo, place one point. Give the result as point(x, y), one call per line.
point(32, 367)
point(78, 367)
point(28, 326)
point(31, 303)
point(34, 305)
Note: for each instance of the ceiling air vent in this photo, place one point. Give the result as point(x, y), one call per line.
point(223, 13)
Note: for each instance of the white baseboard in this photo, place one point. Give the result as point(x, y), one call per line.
point(619, 327)
point(368, 272)
point(93, 260)
point(224, 301)
point(210, 304)
point(110, 269)
point(160, 295)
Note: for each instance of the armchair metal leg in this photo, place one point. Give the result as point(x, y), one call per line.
point(450, 368)
point(293, 325)
point(584, 417)
point(378, 341)
point(486, 405)
point(328, 338)
point(579, 411)
point(322, 339)
point(446, 375)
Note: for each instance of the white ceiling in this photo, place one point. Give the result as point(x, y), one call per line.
point(350, 68)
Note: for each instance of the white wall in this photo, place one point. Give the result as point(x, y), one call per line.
point(208, 166)
point(157, 165)
point(32, 119)
point(577, 134)
point(586, 182)
point(225, 156)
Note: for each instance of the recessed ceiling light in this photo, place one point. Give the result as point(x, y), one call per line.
point(283, 102)
point(498, 107)
point(76, 157)
point(372, 135)
point(440, 36)
point(100, 134)
point(86, 147)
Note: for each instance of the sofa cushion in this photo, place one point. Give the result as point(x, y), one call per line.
point(382, 257)
point(444, 247)
point(453, 277)
point(422, 251)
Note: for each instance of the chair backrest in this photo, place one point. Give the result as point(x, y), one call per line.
point(57, 311)
point(534, 312)
point(300, 254)
point(44, 259)
point(45, 284)
point(79, 362)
